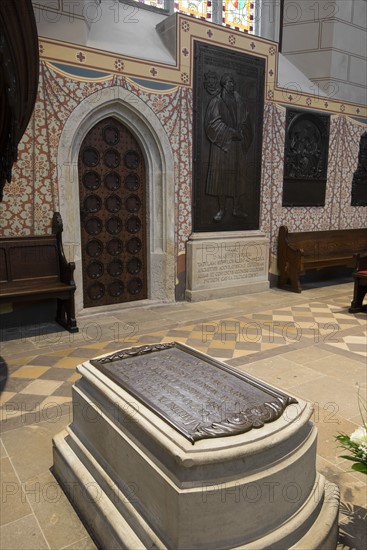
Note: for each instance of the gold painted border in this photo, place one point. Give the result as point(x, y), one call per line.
point(188, 30)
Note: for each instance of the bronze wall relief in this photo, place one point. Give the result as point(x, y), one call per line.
point(305, 158)
point(359, 183)
point(228, 115)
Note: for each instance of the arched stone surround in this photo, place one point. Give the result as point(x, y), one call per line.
point(140, 119)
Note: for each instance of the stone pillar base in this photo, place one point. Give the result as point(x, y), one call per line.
point(222, 264)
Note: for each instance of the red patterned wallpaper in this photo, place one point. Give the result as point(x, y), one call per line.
point(337, 213)
point(32, 196)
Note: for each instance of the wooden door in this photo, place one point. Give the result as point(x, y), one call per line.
point(112, 184)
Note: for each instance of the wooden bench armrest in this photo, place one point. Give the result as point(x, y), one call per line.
point(66, 268)
point(361, 261)
point(67, 273)
point(285, 246)
point(289, 260)
point(298, 251)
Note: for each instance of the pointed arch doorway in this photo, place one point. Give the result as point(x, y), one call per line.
point(112, 188)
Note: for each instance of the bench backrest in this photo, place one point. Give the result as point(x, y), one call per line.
point(328, 244)
point(34, 259)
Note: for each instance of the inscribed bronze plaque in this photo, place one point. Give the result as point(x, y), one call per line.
point(305, 158)
point(228, 118)
point(197, 395)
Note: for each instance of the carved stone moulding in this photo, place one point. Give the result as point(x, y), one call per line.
point(305, 158)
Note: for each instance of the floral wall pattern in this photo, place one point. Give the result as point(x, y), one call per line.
point(337, 213)
point(32, 196)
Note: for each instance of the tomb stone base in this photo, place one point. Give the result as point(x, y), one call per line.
point(138, 483)
point(227, 263)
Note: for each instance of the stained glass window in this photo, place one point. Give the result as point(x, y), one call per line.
point(236, 14)
point(239, 14)
point(199, 8)
point(154, 3)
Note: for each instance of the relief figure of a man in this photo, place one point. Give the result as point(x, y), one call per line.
point(228, 128)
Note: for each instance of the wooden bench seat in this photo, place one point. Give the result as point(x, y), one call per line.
point(34, 268)
point(21, 288)
point(313, 250)
point(360, 286)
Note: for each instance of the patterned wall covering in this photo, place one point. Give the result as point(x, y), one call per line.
point(343, 155)
point(32, 196)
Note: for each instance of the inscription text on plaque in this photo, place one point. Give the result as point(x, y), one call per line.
point(198, 396)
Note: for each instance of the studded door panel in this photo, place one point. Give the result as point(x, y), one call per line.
point(112, 215)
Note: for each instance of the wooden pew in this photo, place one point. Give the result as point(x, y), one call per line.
point(313, 250)
point(360, 286)
point(34, 268)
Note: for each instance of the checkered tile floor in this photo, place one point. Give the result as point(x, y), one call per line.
point(353, 343)
point(36, 382)
point(312, 315)
point(225, 339)
point(314, 348)
point(232, 338)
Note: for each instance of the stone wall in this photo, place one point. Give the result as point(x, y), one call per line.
point(327, 41)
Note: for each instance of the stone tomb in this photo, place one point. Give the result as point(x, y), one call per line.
point(227, 263)
point(171, 449)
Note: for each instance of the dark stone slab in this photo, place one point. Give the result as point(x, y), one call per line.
point(197, 395)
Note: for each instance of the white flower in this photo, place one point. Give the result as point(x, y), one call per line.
point(359, 436)
point(363, 449)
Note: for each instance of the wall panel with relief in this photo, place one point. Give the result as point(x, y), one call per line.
point(228, 119)
point(305, 158)
point(359, 183)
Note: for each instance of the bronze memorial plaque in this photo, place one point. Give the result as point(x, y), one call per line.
point(197, 395)
point(227, 138)
point(305, 158)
